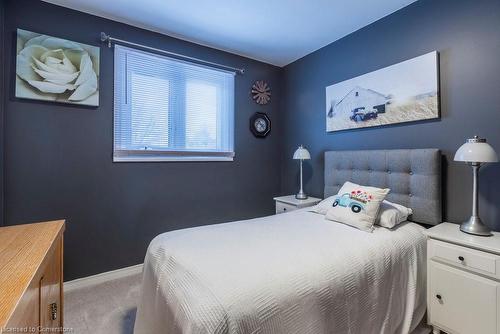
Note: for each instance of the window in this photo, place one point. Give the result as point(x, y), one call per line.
point(169, 110)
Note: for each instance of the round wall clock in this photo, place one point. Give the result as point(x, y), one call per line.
point(260, 125)
point(261, 92)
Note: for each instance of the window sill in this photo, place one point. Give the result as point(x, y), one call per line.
point(169, 159)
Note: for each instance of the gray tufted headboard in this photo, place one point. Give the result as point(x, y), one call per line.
point(414, 177)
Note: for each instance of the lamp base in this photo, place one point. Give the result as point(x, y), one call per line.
point(476, 227)
point(301, 195)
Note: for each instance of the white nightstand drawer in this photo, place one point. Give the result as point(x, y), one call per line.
point(283, 207)
point(463, 281)
point(466, 258)
point(461, 302)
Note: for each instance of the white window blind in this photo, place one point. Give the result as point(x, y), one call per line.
point(167, 109)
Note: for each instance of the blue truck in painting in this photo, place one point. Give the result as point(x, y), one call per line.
point(362, 114)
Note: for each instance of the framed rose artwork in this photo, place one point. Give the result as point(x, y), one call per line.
point(54, 69)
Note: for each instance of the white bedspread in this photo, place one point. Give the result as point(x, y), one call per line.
point(288, 273)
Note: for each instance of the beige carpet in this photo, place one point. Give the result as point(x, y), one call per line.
point(107, 308)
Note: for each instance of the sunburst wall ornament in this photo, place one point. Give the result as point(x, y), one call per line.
point(261, 92)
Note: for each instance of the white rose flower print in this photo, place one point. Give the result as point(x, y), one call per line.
point(55, 69)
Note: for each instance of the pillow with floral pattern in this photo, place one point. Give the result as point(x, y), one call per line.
point(357, 206)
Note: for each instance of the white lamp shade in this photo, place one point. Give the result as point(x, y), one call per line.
point(476, 150)
point(301, 153)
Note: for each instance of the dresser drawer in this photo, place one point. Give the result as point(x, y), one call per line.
point(466, 258)
point(462, 303)
point(31, 287)
point(283, 207)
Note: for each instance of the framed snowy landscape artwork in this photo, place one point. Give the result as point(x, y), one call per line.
point(54, 69)
point(404, 92)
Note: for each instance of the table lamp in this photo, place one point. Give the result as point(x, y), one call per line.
point(301, 154)
point(475, 152)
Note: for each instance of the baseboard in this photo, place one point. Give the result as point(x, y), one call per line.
point(102, 278)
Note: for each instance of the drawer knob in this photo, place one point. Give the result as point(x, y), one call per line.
point(461, 258)
point(284, 209)
point(439, 297)
point(53, 311)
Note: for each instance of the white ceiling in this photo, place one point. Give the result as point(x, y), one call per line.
point(273, 31)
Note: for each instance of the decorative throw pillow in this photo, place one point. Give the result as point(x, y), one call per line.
point(357, 206)
point(392, 214)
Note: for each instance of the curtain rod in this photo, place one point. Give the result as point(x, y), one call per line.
point(107, 38)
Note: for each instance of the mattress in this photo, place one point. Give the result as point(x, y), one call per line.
point(289, 273)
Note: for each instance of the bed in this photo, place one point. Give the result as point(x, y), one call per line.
point(297, 272)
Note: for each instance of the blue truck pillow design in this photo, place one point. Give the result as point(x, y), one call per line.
point(357, 205)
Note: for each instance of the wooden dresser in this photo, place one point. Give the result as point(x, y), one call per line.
point(31, 277)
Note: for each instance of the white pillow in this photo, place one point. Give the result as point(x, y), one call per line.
point(357, 205)
point(323, 206)
point(392, 214)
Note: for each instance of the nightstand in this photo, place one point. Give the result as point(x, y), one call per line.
point(290, 203)
point(463, 281)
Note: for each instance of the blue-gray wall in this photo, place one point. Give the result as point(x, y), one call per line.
point(467, 35)
point(2, 102)
point(58, 161)
point(58, 158)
